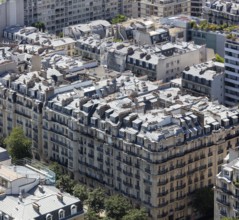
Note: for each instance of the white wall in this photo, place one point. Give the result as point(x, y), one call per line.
point(11, 13)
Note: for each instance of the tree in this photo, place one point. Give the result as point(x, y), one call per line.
point(203, 201)
point(219, 59)
point(91, 215)
point(116, 206)
point(96, 200)
point(18, 145)
point(119, 19)
point(56, 168)
point(136, 214)
point(65, 183)
point(80, 192)
point(40, 25)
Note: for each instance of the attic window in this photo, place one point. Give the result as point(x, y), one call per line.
point(73, 209)
point(61, 214)
point(48, 217)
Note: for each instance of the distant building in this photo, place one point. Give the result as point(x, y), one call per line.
point(232, 70)
point(221, 12)
point(205, 79)
point(164, 8)
point(59, 14)
point(11, 13)
point(27, 193)
point(196, 7)
point(100, 27)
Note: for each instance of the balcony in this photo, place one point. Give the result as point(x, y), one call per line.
point(210, 154)
point(223, 202)
point(127, 184)
point(179, 176)
point(220, 151)
point(148, 181)
point(162, 182)
point(99, 159)
point(202, 167)
point(119, 168)
point(147, 192)
point(179, 208)
point(127, 173)
point(180, 187)
point(220, 162)
point(137, 176)
point(164, 193)
point(162, 172)
point(164, 214)
point(163, 204)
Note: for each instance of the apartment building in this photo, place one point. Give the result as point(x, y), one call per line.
point(226, 190)
point(155, 147)
point(221, 12)
point(196, 7)
point(57, 14)
point(158, 62)
point(205, 79)
point(100, 27)
point(231, 70)
point(164, 8)
point(38, 198)
point(31, 35)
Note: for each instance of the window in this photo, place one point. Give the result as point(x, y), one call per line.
point(73, 209)
point(61, 214)
point(48, 217)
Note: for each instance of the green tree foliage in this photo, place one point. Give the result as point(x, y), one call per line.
point(81, 192)
point(136, 214)
point(119, 19)
point(203, 201)
point(40, 25)
point(56, 168)
point(65, 183)
point(91, 215)
point(18, 145)
point(218, 58)
point(116, 206)
point(96, 200)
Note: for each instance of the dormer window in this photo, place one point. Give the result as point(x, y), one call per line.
point(73, 209)
point(48, 217)
point(61, 214)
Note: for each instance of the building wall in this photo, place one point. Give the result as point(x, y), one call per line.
point(11, 13)
point(213, 40)
point(59, 14)
point(164, 8)
point(231, 72)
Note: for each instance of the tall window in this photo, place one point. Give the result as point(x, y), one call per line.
point(61, 214)
point(73, 209)
point(48, 217)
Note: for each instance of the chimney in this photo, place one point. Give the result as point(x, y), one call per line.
point(36, 206)
point(60, 196)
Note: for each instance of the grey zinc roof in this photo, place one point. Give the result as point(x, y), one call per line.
point(47, 201)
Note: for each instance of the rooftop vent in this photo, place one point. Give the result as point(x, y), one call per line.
point(36, 206)
point(60, 196)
